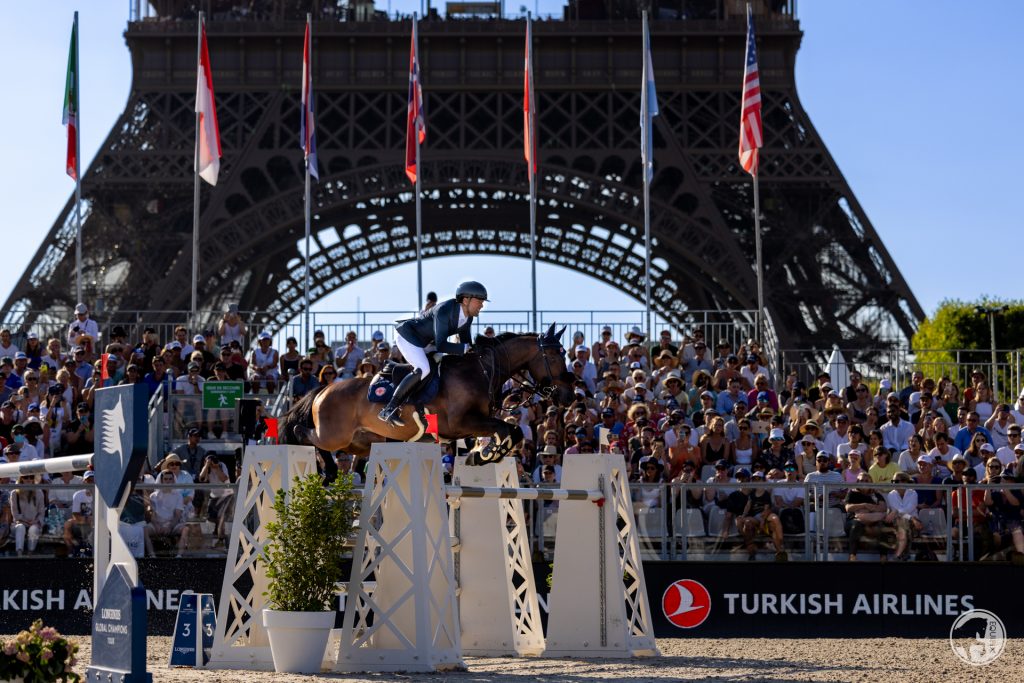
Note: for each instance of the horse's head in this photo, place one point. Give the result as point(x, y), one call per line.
point(548, 367)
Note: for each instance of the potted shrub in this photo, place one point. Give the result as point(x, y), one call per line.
point(303, 564)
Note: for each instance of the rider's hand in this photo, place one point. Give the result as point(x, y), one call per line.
point(469, 347)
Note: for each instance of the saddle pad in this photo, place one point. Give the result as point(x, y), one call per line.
point(381, 389)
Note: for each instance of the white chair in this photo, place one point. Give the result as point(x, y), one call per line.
point(650, 522)
point(835, 522)
point(707, 472)
point(716, 522)
point(934, 522)
point(693, 526)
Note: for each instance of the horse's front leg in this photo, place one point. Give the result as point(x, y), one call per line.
point(504, 438)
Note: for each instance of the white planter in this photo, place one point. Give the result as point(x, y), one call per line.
point(298, 640)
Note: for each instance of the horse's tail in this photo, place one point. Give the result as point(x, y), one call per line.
point(297, 423)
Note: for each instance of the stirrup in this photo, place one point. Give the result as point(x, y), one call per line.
point(392, 416)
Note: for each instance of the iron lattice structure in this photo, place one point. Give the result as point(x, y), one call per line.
point(828, 275)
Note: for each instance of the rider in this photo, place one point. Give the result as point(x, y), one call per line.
point(432, 329)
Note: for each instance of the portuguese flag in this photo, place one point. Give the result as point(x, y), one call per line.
point(71, 103)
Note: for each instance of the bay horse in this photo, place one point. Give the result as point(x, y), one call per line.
point(339, 416)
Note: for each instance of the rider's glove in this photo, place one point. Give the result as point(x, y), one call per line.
point(469, 347)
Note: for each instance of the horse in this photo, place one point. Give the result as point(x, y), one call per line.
point(339, 416)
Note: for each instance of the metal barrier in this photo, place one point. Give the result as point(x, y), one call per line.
point(664, 527)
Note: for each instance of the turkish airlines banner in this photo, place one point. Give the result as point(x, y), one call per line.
point(688, 599)
point(843, 599)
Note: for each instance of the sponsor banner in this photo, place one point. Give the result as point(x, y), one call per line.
point(843, 599)
point(688, 599)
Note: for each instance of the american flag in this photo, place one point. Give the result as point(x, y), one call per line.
point(307, 126)
point(751, 131)
point(416, 126)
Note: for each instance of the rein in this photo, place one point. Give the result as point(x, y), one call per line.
point(494, 372)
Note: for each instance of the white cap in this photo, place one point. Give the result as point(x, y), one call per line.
point(987, 448)
point(265, 335)
point(925, 458)
point(581, 347)
point(81, 308)
point(776, 435)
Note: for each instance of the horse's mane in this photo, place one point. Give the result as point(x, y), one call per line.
point(492, 342)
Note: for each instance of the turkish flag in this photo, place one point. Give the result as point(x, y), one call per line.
point(271, 423)
point(432, 427)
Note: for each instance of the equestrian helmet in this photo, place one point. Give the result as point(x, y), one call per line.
point(470, 289)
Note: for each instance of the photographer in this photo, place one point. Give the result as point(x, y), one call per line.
point(78, 433)
point(216, 472)
point(81, 326)
point(231, 328)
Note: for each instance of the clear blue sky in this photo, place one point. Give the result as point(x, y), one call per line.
point(915, 100)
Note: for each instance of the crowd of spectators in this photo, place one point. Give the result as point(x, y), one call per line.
point(676, 410)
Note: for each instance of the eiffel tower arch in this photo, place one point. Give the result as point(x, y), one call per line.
point(828, 276)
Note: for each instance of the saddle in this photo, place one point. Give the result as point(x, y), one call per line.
point(383, 384)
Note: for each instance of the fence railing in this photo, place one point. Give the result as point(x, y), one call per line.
point(670, 527)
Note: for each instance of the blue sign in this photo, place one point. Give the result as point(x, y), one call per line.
point(119, 631)
point(122, 439)
point(193, 630)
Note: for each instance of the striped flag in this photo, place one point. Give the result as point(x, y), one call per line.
point(416, 126)
point(70, 117)
point(648, 108)
point(307, 128)
point(207, 134)
point(529, 104)
point(751, 131)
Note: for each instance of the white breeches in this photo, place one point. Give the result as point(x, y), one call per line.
point(414, 355)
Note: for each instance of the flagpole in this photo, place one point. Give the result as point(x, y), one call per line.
point(195, 192)
point(648, 139)
point(760, 267)
point(419, 174)
point(530, 170)
point(78, 172)
point(305, 334)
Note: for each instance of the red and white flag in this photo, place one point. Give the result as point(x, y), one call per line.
point(416, 125)
point(529, 104)
point(751, 131)
point(208, 134)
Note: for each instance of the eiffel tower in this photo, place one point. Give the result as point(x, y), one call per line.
point(828, 277)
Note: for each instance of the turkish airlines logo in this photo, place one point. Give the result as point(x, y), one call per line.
point(686, 603)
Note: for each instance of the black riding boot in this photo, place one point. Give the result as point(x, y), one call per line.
point(390, 414)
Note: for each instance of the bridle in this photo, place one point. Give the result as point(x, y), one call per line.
point(546, 388)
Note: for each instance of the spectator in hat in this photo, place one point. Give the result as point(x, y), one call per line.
point(777, 453)
point(609, 428)
point(789, 500)
point(598, 351)
point(838, 435)
point(715, 496)
point(181, 476)
point(927, 498)
point(166, 512)
point(349, 356)
point(263, 362)
point(751, 369)
point(761, 386)
point(157, 378)
point(78, 529)
point(587, 371)
point(33, 349)
point(199, 346)
point(548, 457)
point(191, 454)
point(81, 326)
point(726, 371)
point(672, 389)
point(723, 350)
point(191, 382)
point(700, 360)
point(231, 327)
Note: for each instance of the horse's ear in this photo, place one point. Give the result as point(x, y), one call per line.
point(560, 332)
point(550, 332)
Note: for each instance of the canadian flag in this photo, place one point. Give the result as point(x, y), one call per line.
point(207, 133)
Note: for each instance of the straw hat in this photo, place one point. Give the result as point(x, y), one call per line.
point(666, 358)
